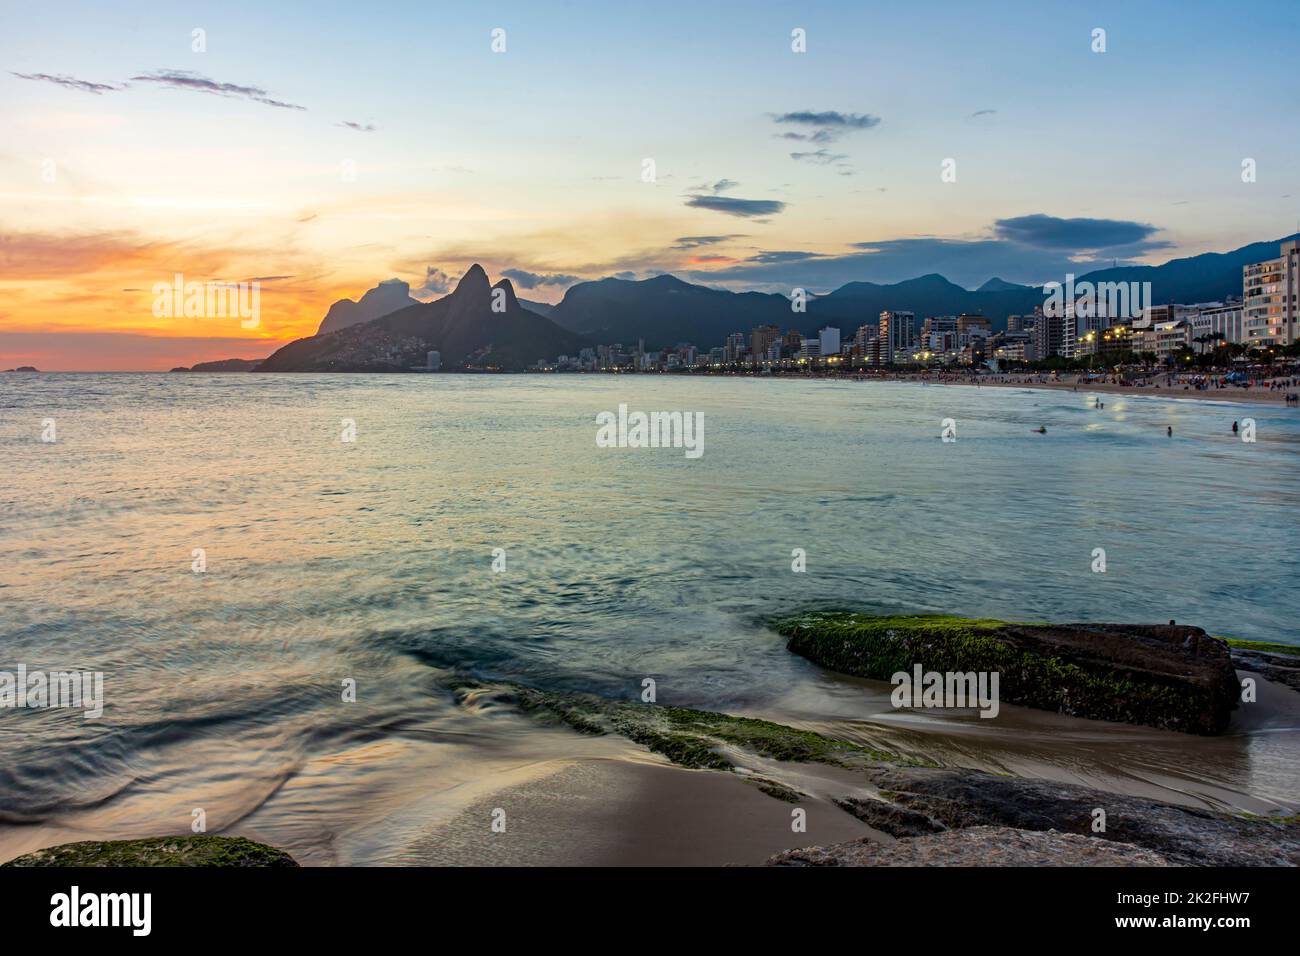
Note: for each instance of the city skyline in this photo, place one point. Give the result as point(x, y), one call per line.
point(279, 154)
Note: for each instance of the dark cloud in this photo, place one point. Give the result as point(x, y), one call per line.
point(1076, 235)
point(746, 208)
point(367, 128)
point(531, 280)
point(1028, 249)
point(982, 113)
point(722, 185)
point(187, 80)
point(70, 82)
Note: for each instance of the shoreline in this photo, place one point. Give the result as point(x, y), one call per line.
point(1276, 399)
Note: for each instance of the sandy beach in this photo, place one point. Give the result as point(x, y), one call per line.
point(1251, 396)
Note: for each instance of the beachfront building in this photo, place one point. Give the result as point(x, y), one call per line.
point(1047, 338)
point(1166, 338)
point(828, 341)
point(1217, 320)
point(1271, 294)
point(897, 334)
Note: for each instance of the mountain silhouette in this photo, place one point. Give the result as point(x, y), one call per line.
point(389, 296)
point(478, 325)
point(665, 310)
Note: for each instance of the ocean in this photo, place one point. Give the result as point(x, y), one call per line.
point(230, 560)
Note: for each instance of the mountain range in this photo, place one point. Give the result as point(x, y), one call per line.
point(478, 325)
point(388, 330)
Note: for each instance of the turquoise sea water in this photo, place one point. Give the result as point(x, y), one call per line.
point(373, 559)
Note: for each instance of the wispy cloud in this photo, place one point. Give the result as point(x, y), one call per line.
point(367, 128)
point(824, 126)
point(188, 80)
point(822, 157)
point(694, 242)
point(70, 82)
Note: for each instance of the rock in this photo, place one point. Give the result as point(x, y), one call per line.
point(976, 846)
point(957, 799)
point(1169, 676)
point(1279, 663)
point(202, 850)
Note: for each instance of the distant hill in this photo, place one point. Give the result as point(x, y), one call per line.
point(463, 326)
point(665, 310)
point(223, 365)
point(541, 308)
point(389, 296)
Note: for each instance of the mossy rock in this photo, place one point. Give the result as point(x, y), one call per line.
point(1168, 676)
point(689, 738)
point(199, 850)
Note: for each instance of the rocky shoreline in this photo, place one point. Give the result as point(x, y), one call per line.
point(919, 814)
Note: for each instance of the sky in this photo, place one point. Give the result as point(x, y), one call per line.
point(320, 148)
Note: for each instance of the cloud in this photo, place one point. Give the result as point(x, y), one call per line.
point(822, 157)
point(531, 280)
point(1027, 249)
point(188, 80)
point(367, 128)
point(436, 281)
point(778, 256)
point(982, 113)
point(694, 242)
point(825, 126)
point(1076, 235)
point(70, 82)
point(722, 185)
point(732, 206)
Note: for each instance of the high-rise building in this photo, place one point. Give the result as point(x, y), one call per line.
point(829, 341)
point(897, 332)
point(761, 339)
point(1271, 298)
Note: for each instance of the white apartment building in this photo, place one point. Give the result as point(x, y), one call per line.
point(1271, 294)
point(897, 334)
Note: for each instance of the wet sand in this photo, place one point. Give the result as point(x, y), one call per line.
point(623, 813)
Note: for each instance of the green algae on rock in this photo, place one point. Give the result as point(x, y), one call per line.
point(1169, 676)
point(201, 850)
point(690, 738)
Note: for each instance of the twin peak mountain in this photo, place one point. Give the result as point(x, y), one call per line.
point(478, 325)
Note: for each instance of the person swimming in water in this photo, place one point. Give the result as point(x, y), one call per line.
point(1234, 428)
point(1041, 429)
point(1170, 431)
